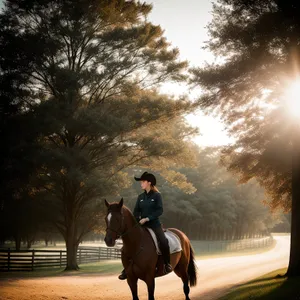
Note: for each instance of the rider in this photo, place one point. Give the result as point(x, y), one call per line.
point(147, 209)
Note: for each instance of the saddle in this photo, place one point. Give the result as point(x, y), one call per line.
point(174, 241)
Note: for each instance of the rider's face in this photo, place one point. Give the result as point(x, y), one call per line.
point(145, 184)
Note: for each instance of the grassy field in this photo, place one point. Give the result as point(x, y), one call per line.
point(214, 254)
point(110, 267)
point(107, 267)
point(267, 287)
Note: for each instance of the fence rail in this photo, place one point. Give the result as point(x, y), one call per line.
point(231, 245)
point(29, 260)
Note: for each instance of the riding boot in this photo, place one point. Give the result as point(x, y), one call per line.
point(166, 256)
point(123, 275)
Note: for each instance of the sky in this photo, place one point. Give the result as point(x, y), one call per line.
point(184, 24)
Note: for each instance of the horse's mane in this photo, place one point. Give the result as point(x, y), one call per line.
point(127, 210)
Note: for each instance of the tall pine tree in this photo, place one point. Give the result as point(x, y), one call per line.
point(259, 43)
point(94, 85)
point(18, 134)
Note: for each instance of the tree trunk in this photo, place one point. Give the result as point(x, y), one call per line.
point(18, 242)
point(72, 246)
point(294, 262)
point(30, 240)
point(236, 231)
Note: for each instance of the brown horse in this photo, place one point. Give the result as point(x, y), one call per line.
point(139, 256)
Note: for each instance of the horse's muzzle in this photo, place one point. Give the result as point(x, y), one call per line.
point(109, 241)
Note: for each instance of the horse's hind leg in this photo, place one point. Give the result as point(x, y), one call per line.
point(186, 289)
point(132, 282)
point(182, 273)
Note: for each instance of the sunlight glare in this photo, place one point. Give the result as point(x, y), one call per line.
point(292, 98)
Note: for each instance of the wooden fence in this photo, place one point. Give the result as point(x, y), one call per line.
point(205, 247)
point(29, 260)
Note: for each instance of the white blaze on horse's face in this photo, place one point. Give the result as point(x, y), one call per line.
point(108, 218)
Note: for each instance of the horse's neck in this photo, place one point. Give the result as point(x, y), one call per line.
point(132, 238)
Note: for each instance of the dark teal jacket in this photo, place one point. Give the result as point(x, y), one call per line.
point(149, 205)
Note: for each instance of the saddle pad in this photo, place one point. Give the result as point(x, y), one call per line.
point(174, 241)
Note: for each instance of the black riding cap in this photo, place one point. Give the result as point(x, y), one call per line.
point(147, 176)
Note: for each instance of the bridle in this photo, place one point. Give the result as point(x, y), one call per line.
point(120, 234)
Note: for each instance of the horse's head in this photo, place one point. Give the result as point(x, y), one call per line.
point(114, 222)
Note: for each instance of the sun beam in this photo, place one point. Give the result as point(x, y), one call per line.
point(292, 98)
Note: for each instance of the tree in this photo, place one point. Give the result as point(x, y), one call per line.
point(259, 43)
point(94, 86)
point(214, 206)
point(18, 135)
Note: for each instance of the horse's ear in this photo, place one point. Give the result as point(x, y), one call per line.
point(121, 202)
point(106, 203)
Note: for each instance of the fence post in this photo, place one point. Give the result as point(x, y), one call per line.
point(60, 258)
point(32, 260)
point(8, 259)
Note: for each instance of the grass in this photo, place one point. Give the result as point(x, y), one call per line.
point(107, 267)
point(270, 286)
point(113, 267)
point(207, 255)
point(281, 233)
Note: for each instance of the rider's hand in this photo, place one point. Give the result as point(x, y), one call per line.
point(144, 220)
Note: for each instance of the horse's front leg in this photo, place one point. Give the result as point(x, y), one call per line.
point(150, 281)
point(132, 282)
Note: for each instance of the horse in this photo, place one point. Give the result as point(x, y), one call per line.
point(139, 256)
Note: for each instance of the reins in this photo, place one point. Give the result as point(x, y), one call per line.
point(126, 232)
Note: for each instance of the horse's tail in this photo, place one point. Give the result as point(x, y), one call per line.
point(192, 268)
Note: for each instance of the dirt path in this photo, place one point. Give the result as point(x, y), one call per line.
point(216, 276)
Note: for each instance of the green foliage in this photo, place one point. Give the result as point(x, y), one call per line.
point(259, 44)
point(217, 208)
point(92, 70)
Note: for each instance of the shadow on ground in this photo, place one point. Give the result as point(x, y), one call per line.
point(271, 286)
